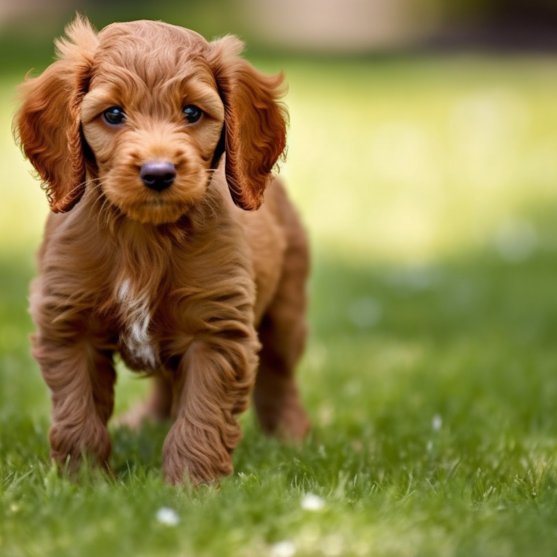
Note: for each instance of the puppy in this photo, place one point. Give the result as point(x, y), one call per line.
point(155, 148)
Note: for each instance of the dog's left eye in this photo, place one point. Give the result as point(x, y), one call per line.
point(192, 113)
point(114, 115)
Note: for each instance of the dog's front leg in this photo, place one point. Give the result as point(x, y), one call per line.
point(81, 379)
point(217, 378)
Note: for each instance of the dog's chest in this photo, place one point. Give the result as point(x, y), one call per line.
point(136, 344)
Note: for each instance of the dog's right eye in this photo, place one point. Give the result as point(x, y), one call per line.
point(114, 115)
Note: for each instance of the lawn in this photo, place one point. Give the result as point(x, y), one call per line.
point(429, 187)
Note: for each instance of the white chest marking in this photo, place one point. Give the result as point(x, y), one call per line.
point(136, 314)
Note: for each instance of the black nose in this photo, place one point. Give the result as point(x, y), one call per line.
point(158, 175)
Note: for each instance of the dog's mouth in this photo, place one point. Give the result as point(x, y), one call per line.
point(154, 202)
point(156, 210)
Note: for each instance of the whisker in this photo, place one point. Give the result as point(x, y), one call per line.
point(101, 195)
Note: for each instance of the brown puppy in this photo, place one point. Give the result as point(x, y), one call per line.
point(156, 250)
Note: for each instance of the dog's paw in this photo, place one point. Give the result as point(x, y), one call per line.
point(192, 459)
point(139, 414)
point(293, 425)
point(70, 443)
point(287, 421)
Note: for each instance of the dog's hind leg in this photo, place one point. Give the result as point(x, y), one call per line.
point(157, 407)
point(282, 333)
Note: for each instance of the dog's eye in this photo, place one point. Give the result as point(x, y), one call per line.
point(114, 115)
point(192, 113)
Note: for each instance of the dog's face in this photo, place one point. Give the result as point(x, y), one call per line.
point(153, 119)
point(147, 109)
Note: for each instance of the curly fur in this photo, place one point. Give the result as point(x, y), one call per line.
point(187, 284)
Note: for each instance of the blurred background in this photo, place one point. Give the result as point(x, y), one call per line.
point(417, 125)
point(422, 157)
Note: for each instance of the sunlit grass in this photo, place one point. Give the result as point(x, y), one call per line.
point(429, 188)
point(411, 161)
point(23, 208)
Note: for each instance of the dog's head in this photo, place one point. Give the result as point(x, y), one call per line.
point(148, 109)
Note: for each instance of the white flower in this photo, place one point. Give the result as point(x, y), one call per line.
point(283, 549)
point(437, 422)
point(167, 516)
point(311, 502)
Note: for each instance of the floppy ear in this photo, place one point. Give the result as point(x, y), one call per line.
point(254, 121)
point(47, 126)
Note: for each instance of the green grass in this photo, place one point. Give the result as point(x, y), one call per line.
point(429, 187)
